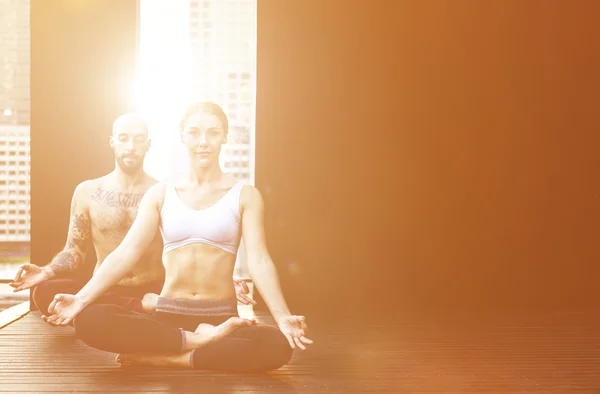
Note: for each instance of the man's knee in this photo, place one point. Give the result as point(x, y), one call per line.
point(42, 295)
point(95, 320)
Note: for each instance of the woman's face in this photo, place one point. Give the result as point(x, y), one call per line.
point(203, 136)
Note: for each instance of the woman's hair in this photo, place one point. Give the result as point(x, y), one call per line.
point(208, 107)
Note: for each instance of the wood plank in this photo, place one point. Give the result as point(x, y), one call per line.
point(553, 353)
point(13, 313)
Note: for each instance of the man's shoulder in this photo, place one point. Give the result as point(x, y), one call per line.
point(151, 181)
point(89, 185)
point(85, 190)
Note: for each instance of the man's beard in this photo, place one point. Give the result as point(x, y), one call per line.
point(130, 169)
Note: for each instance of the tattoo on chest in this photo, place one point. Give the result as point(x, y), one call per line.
point(117, 199)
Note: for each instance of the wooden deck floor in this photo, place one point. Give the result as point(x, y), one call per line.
point(553, 353)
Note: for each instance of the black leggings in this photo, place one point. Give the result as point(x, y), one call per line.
point(111, 328)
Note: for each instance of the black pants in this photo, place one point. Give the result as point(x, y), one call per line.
point(127, 297)
point(111, 328)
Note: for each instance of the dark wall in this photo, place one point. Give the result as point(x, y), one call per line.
point(430, 155)
point(83, 57)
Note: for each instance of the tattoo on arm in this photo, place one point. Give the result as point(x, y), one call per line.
point(79, 232)
point(66, 261)
point(79, 235)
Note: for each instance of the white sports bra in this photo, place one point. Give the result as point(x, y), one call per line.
point(217, 225)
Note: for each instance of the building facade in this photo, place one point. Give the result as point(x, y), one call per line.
point(223, 69)
point(14, 123)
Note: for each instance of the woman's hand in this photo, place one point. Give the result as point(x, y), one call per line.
point(294, 328)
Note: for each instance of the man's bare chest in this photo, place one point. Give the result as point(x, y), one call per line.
point(113, 212)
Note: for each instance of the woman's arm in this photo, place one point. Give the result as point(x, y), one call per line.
point(261, 267)
point(123, 259)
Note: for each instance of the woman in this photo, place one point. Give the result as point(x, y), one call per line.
point(201, 221)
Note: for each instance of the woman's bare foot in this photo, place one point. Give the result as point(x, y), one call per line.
point(206, 333)
point(149, 302)
point(181, 360)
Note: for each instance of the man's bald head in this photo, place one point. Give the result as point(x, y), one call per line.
point(130, 142)
point(130, 121)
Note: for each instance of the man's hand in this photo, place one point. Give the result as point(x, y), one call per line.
point(241, 289)
point(294, 328)
point(30, 275)
point(63, 309)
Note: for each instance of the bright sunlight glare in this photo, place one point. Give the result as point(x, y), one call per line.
point(161, 86)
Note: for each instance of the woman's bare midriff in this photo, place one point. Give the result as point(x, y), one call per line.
point(199, 272)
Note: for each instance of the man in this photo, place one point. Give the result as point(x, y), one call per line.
point(102, 211)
